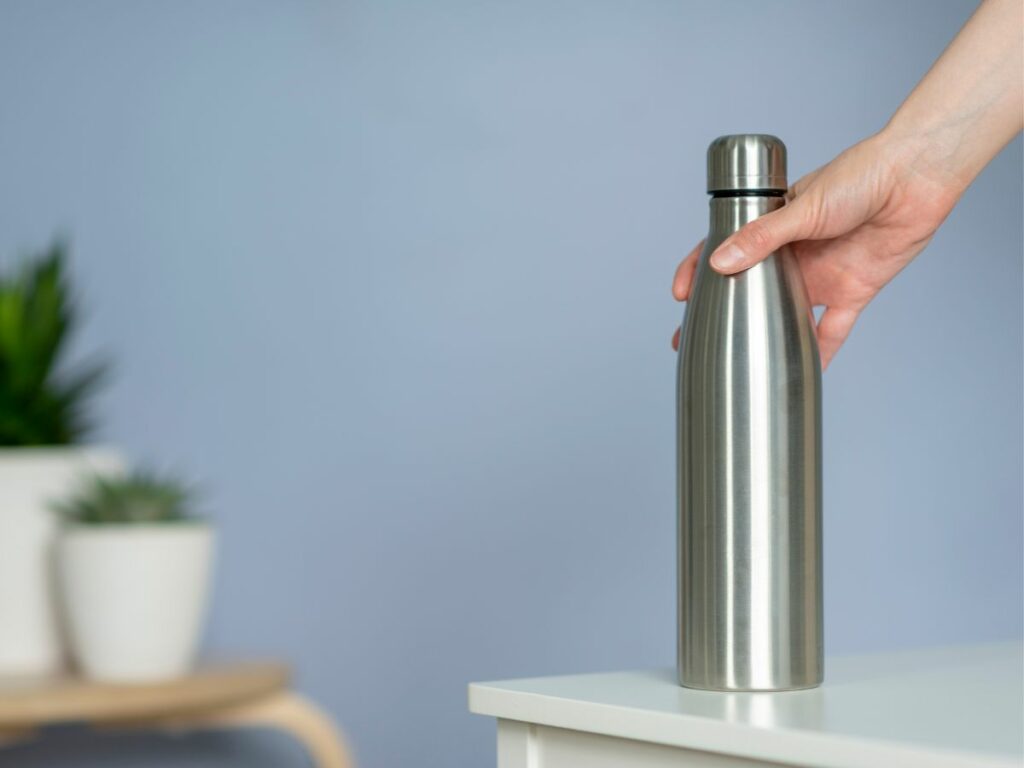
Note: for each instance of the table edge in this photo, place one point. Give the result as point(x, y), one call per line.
point(793, 747)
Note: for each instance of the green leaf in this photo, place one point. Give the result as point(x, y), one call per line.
point(142, 497)
point(41, 401)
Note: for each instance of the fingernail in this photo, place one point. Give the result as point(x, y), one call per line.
point(726, 258)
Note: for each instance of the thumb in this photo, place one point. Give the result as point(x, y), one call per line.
point(755, 241)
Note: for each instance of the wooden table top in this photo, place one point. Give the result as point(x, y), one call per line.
point(29, 702)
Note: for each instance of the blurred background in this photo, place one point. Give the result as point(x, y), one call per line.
point(392, 280)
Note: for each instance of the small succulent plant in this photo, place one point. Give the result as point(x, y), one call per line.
point(39, 404)
point(142, 497)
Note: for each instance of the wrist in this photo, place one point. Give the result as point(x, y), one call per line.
point(912, 147)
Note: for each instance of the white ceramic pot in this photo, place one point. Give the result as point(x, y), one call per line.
point(135, 597)
point(31, 639)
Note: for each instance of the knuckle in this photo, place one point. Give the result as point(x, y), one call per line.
point(810, 213)
point(757, 235)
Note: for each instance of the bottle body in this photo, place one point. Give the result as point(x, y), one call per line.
point(749, 472)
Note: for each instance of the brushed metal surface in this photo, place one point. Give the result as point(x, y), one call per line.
point(747, 161)
point(749, 472)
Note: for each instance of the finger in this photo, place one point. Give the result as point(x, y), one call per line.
point(684, 273)
point(833, 328)
point(754, 242)
point(801, 184)
point(675, 340)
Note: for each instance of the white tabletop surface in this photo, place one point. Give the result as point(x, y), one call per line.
point(942, 707)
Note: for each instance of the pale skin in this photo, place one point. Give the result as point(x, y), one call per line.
point(854, 223)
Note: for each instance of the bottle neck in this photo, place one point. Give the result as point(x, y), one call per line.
point(730, 212)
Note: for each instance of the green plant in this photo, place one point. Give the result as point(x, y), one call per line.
point(40, 405)
point(141, 497)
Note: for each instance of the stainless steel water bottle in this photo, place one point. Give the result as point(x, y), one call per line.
point(749, 450)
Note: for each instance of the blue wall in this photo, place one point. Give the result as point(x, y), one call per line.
point(393, 280)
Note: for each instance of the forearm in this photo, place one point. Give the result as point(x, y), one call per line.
point(971, 102)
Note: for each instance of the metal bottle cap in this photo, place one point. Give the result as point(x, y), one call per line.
point(747, 161)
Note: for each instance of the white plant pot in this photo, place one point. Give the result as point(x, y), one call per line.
point(31, 637)
point(135, 596)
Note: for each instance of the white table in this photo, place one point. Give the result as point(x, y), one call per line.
point(935, 708)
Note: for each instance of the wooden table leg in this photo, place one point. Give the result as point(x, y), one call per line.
point(285, 711)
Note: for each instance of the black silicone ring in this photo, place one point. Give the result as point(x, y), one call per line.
point(747, 193)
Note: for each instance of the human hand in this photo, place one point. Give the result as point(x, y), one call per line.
point(853, 225)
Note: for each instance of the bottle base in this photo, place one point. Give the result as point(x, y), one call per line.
point(743, 689)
